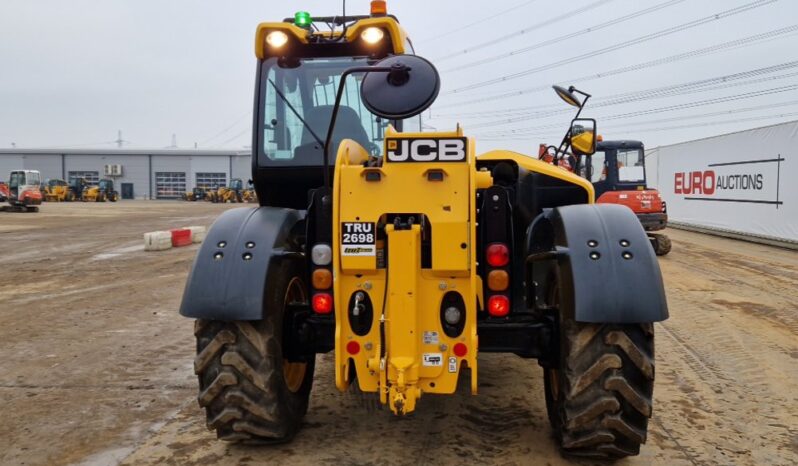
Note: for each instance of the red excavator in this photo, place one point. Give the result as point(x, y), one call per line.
point(618, 172)
point(23, 192)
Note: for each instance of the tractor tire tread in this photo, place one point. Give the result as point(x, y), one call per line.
point(663, 244)
point(241, 387)
point(607, 388)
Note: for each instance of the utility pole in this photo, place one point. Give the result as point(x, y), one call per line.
point(119, 141)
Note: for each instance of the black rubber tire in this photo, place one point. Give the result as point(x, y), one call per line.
point(242, 383)
point(599, 399)
point(662, 244)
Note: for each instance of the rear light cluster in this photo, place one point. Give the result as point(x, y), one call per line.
point(321, 279)
point(497, 256)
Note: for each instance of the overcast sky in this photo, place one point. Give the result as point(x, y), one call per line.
point(74, 72)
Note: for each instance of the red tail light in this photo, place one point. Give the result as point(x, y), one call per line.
point(353, 347)
point(322, 303)
point(498, 255)
point(498, 305)
point(460, 350)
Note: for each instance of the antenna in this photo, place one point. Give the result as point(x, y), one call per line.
point(343, 33)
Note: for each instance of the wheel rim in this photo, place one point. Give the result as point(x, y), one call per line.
point(294, 372)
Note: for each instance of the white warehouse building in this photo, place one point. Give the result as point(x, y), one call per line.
point(137, 174)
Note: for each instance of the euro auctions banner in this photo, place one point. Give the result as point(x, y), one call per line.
point(744, 182)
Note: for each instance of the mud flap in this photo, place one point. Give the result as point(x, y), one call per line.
point(604, 265)
point(242, 251)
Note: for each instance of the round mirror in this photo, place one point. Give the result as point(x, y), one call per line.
point(567, 95)
point(409, 89)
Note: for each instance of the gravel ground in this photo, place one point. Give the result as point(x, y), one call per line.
point(96, 363)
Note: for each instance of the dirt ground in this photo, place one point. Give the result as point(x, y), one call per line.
point(96, 363)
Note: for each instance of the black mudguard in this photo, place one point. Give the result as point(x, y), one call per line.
point(256, 242)
point(605, 268)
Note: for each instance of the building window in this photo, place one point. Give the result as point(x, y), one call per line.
point(211, 180)
point(170, 185)
point(91, 177)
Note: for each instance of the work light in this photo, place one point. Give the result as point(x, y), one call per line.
point(372, 35)
point(276, 39)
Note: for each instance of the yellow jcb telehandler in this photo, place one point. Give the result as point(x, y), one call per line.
point(101, 192)
point(57, 190)
point(407, 255)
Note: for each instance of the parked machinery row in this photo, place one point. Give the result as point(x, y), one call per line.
point(234, 193)
point(79, 189)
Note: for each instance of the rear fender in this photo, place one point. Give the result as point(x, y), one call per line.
point(600, 280)
point(254, 244)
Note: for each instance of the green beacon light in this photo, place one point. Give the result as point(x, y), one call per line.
point(302, 19)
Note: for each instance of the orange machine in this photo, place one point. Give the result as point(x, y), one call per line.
point(618, 172)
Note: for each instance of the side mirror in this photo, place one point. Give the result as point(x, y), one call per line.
point(568, 96)
point(583, 136)
point(407, 90)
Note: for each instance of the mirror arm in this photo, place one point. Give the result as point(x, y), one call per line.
point(566, 140)
point(334, 116)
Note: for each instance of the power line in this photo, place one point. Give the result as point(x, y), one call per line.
point(521, 131)
point(555, 112)
point(700, 103)
point(222, 132)
point(233, 138)
point(619, 46)
point(730, 45)
point(565, 37)
point(703, 85)
point(476, 23)
point(528, 29)
point(659, 128)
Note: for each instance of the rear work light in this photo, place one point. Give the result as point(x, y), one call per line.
point(498, 305)
point(497, 255)
point(322, 303)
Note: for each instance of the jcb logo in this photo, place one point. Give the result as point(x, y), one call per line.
point(427, 150)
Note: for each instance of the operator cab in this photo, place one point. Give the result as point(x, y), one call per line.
point(236, 184)
point(615, 166)
point(106, 185)
point(21, 180)
point(299, 72)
